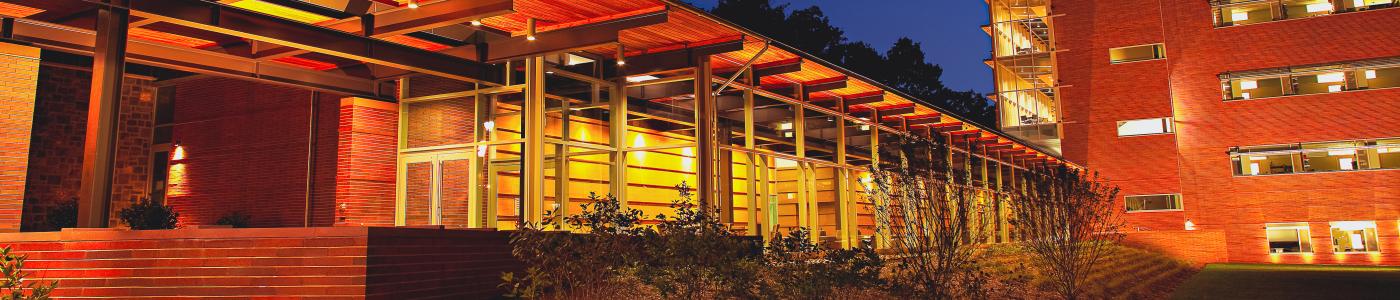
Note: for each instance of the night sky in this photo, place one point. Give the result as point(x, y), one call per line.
point(950, 31)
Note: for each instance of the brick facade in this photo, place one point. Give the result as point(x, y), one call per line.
point(20, 67)
point(321, 263)
point(56, 159)
point(1195, 161)
point(246, 151)
point(367, 159)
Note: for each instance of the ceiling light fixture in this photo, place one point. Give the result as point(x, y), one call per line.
point(412, 3)
point(530, 29)
point(476, 22)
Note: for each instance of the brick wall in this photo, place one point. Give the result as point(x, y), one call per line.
point(1195, 160)
point(1198, 246)
point(328, 263)
point(56, 159)
point(367, 159)
point(19, 66)
point(246, 151)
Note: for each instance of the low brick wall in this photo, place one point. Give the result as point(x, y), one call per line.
point(1196, 246)
point(327, 262)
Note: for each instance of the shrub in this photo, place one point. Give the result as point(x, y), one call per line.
point(235, 219)
point(65, 215)
point(14, 284)
point(147, 214)
point(581, 265)
point(695, 255)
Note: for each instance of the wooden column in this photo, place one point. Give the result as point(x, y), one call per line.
point(757, 201)
point(705, 134)
point(532, 158)
point(100, 144)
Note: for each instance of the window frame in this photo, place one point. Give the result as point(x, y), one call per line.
point(1369, 155)
point(1372, 242)
point(1168, 127)
point(1299, 228)
point(1180, 206)
point(1292, 78)
point(1159, 51)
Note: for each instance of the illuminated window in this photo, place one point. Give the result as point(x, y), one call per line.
point(1387, 154)
point(1327, 157)
point(1354, 236)
point(1145, 127)
point(1167, 202)
point(1319, 83)
point(1258, 87)
point(1265, 160)
point(1288, 238)
point(1293, 9)
point(1136, 53)
point(1244, 14)
point(1354, 5)
point(1378, 77)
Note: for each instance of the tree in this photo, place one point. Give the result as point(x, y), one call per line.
point(14, 280)
point(935, 224)
point(904, 66)
point(1066, 220)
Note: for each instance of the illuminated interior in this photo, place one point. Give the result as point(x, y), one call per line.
point(1289, 238)
point(1245, 12)
point(1023, 66)
point(1319, 79)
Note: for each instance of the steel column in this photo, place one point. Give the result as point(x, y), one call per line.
point(100, 144)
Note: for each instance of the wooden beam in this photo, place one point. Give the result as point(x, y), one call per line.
point(679, 58)
point(572, 38)
point(405, 20)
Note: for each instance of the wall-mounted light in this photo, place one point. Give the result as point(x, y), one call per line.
point(1190, 225)
point(621, 54)
point(178, 152)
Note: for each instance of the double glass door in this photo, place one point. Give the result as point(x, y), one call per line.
point(436, 189)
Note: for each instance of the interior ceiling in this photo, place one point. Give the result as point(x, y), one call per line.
point(683, 28)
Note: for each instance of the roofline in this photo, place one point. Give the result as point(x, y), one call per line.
point(838, 68)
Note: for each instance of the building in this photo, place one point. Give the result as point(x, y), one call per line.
point(328, 120)
point(1241, 131)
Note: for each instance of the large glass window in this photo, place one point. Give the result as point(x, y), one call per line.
point(1334, 156)
point(1145, 127)
point(1136, 53)
point(1288, 238)
point(1354, 236)
point(1387, 154)
point(1244, 12)
point(1266, 160)
point(1294, 9)
point(1312, 79)
point(1166, 202)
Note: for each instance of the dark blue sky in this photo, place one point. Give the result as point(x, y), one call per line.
point(950, 31)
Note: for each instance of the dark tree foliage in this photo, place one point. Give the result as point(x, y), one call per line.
point(148, 214)
point(903, 66)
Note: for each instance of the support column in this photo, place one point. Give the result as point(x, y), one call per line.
point(756, 200)
point(844, 199)
point(882, 225)
point(706, 135)
point(21, 66)
point(617, 124)
point(532, 169)
point(100, 144)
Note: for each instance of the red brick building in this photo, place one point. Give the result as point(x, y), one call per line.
point(1242, 131)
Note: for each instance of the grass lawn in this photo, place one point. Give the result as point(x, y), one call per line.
point(1263, 281)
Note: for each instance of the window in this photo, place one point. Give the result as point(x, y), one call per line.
point(1145, 127)
point(1244, 12)
point(1136, 53)
point(1387, 154)
point(1327, 157)
point(1168, 202)
point(1312, 79)
point(1265, 160)
point(1288, 238)
point(1354, 236)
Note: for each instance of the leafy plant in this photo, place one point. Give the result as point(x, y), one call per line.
point(579, 264)
point(235, 219)
point(695, 255)
point(1067, 221)
point(65, 215)
point(15, 282)
point(147, 214)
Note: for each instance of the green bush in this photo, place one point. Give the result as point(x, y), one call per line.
point(147, 214)
point(65, 215)
point(235, 219)
point(15, 282)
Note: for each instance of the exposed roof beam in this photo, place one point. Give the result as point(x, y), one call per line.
point(572, 38)
point(81, 41)
point(825, 84)
point(865, 98)
point(256, 26)
point(778, 67)
point(406, 20)
point(898, 109)
point(678, 59)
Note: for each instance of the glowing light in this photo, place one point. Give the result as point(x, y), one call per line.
point(1388, 150)
point(1331, 77)
point(178, 154)
point(476, 22)
point(1341, 152)
point(175, 184)
point(1239, 16)
point(412, 3)
point(641, 78)
point(621, 62)
point(1254, 169)
point(864, 127)
point(687, 163)
point(1319, 7)
point(530, 37)
point(489, 125)
point(1248, 84)
point(1244, 95)
point(1334, 88)
point(785, 126)
point(480, 151)
point(1190, 225)
point(1370, 74)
